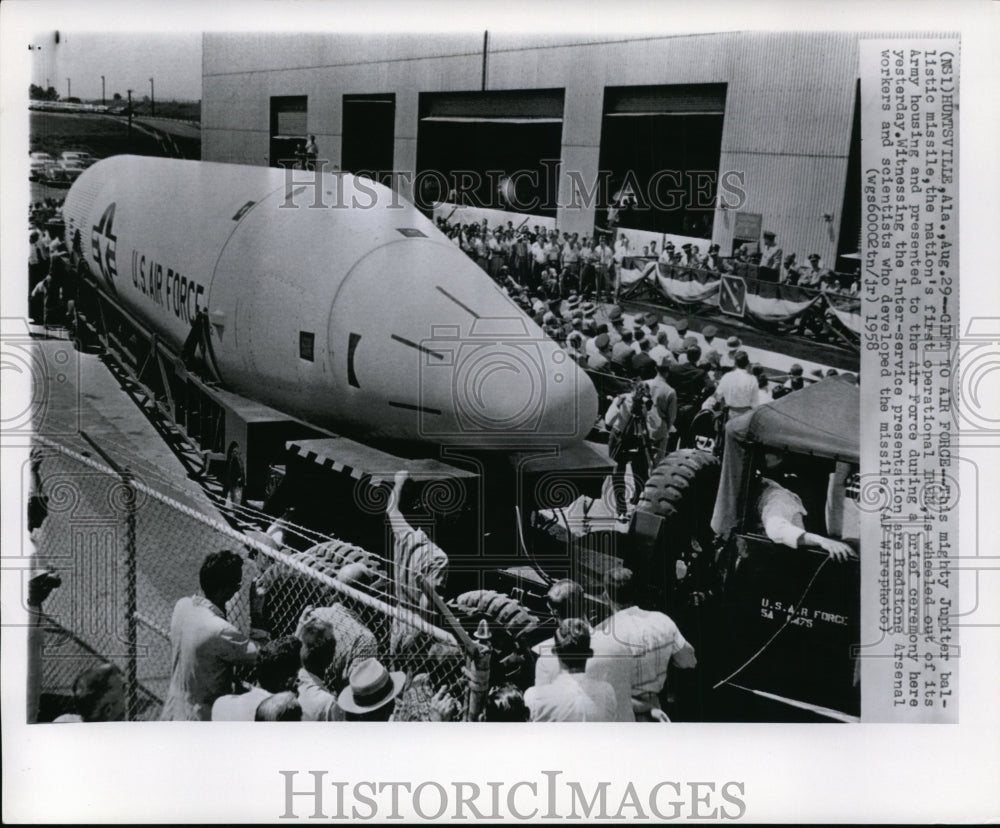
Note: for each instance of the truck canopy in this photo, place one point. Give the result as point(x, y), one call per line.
point(823, 420)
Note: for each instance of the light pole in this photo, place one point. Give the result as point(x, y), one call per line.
point(69, 88)
point(130, 117)
point(103, 100)
point(152, 99)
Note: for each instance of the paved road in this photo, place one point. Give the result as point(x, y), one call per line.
point(84, 536)
point(181, 128)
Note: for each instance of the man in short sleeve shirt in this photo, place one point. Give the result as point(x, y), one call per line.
point(206, 647)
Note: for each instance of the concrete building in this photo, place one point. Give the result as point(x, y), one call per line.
point(775, 112)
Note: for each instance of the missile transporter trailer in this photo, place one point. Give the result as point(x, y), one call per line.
point(302, 337)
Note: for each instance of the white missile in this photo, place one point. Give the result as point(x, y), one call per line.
point(329, 297)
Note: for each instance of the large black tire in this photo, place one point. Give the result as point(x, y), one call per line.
point(513, 630)
point(681, 493)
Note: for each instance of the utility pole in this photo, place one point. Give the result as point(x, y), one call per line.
point(152, 99)
point(130, 118)
point(103, 100)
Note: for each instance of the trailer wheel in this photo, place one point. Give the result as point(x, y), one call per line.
point(283, 593)
point(680, 497)
point(513, 629)
point(234, 489)
point(332, 556)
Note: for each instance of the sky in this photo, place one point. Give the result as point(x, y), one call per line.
point(126, 59)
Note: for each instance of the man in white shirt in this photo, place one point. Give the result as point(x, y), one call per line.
point(539, 259)
point(604, 259)
point(675, 342)
point(565, 600)
point(616, 319)
point(621, 251)
point(665, 399)
point(738, 389)
point(660, 351)
point(781, 513)
point(205, 646)
point(573, 695)
point(811, 275)
point(277, 670)
point(709, 333)
point(728, 359)
point(652, 640)
point(770, 257)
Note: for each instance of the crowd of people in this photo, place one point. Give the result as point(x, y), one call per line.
point(605, 340)
point(337, 666)
point(50, 288)
point(567, 262)
point(541, 259)
point(334, 668)
point(333, 665)
point(677, 371)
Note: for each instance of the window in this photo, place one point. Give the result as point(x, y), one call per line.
point(368, 136)
point(307, 345)
point(491, 149)
point(660, 149)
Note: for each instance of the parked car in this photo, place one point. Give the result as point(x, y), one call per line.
point(72, 168)
point(37, 162)
point(56, 176)
point(77, 157)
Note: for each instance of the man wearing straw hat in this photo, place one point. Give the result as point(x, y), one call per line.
point(370, 695)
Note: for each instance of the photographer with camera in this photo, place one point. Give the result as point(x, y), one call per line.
point(637, 426)
point(665, 400)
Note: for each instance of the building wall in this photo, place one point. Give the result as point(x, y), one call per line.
point(787, 125)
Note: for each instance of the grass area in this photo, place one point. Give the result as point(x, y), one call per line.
point(183, 110)
point(99, 135)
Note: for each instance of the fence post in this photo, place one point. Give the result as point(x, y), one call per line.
point(131, 600)
point(131, 597)
point(477, 670)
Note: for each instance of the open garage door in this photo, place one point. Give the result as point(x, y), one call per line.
point(369, 131)
point(289, 122)
point(660, 146)
point(491, 149)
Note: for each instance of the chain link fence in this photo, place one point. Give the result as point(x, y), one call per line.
point(127, 551)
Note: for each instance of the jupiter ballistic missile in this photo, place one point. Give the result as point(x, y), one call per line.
point(329, 297)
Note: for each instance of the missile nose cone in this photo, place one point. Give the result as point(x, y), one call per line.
point(458, 364)
point(519, 391)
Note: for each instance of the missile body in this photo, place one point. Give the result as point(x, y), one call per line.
point(329, 297)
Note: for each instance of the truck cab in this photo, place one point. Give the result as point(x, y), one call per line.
point(789, 615)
